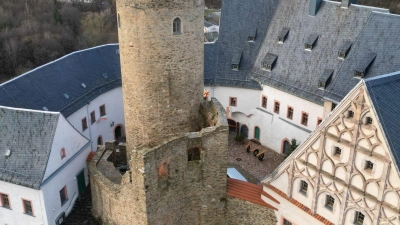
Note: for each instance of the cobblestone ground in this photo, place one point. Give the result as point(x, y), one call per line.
point(81, 214)
point(248, 165)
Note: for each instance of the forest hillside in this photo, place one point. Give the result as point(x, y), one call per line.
point(35, 32)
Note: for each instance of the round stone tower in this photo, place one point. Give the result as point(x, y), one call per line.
point(161, 50)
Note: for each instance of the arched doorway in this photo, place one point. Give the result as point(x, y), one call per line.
point(257, 133)
point(244, 130)
point(118, 132)
point(232, 125)
point(100, 140)
point(286, 147)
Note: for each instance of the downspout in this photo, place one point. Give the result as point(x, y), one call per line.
point(89, 122)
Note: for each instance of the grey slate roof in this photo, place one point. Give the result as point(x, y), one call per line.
point(46, 85)
point(297, 71)
point(29, 136)
point(239, 20)
point(384, 93)
point(381, 35)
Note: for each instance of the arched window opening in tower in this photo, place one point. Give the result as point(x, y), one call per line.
point(193, 154)
point(176, 26)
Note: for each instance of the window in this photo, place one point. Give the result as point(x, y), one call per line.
point(103, 110)
point(4, 201)
point(280, 40)
point(264, 101)
point(359, 74)
point(333, 106)
point(342, 55)
point(194, 154)
point(286, 222)
point(232, 101)
point(119, 21)
point(93, 117)
point(303, 187)
point(27, 205)
point(63, 195)
point(276, 107)
point(267, 67)
point(337, 151)
point(321, 84)
point(359, 219)
point(319, 121)
point(329, 202)
point(176, 26)
point(369, 165)
point(250, 39)
point(63, 153)
point(235, 66)
point(350, 114)
point(308, 47)
point(84, 124)
point(290, 112)
point(304, 118)
point(368, 121)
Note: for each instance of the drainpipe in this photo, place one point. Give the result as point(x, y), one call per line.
point(90, 123)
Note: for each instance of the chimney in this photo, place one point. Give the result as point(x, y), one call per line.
point(314, 5)
point(347, 3)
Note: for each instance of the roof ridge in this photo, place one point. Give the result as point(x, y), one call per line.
point(382, 79)
point(29, 110)
point(56, 60)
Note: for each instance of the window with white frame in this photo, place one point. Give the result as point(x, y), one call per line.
point(4, 201)
point(329, 202)
point(303, 187)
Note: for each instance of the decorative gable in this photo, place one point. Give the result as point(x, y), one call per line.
point(347, 166)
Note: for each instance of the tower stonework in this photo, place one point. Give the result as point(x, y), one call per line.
point(162, 68)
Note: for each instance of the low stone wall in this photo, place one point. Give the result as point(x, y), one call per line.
point(241, 212)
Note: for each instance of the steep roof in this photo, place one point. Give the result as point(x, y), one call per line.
point(381, 35)
point(239, 19)
point(28, 135)
point(297, 71)
point(67, 84)
point(384, 93)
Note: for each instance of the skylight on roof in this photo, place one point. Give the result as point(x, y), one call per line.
point(66, 95)
point(83, 85)
point(45, 108)
point(105, 75)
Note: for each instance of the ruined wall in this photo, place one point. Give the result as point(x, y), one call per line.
point(163, 187)
point(241, 212)
point(162, 72)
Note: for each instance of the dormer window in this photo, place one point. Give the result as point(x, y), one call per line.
point(251, 39)
point(236, 61)
point(364, 64)
point(252, 36)
point(310, 42)
point(325, 78)
point(283, 35)
point(344, 49)
point(269, 61)
point(359, 74)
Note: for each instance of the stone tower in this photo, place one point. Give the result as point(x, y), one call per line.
point(176, 143)
point(161, 48)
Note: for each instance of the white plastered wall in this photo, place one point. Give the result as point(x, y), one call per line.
point(16, 214)
point(105, 126)
point(274, 128)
